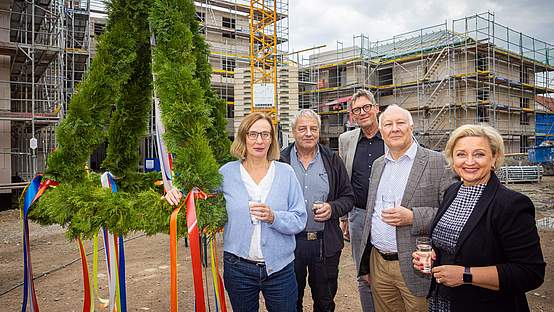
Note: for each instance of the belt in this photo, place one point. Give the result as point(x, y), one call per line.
point(389, 256)
point(310, 235)
point(258, 263)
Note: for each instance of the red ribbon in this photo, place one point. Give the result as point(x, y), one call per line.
point(46, 183)
point(86, 283)
point(194, 239)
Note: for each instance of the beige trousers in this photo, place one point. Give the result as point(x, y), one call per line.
point(390, 293)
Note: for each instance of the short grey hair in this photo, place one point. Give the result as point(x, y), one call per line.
point(306, 113)
point(363, 93)
point(403, 110)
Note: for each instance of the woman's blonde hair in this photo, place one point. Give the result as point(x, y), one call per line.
point(238, 148)
point(484, 131)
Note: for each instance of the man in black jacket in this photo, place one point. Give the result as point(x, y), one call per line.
point(328, 196)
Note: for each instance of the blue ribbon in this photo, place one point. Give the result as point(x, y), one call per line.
point(122, 291)
point(30, 195)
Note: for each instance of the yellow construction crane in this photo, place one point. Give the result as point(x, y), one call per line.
point(263, 57)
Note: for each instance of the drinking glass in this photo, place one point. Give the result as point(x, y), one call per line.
point(388, 201)
point(424, 248)
point(316, 205)
point(253, 202)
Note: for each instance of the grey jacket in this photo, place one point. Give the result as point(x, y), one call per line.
point(347, 148)
point(428, 180)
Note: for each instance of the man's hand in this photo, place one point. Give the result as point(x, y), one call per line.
point(323, 213)
point(366, 278)
point(397, 216)
point(345, 230)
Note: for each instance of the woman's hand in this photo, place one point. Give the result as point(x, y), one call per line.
point(173, 197)
point(262, 212)
point(418, 260)
point(449, 275)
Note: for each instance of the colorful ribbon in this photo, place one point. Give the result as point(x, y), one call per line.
point(104, 302)
point(194, 238)
point(88, 304)
point(28, 284)
point(173, 257)
point(122, 285)
point(163, 154)
point(115, 259)
point(216, 277)
point(33, 191)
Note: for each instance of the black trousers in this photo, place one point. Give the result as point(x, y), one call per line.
point(322, 272)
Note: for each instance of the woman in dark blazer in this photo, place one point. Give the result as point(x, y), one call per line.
point(486, 246)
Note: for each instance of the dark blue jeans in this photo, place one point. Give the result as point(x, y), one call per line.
point(322, 272)
point(244, 281)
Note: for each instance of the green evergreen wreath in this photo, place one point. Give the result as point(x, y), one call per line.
point(112, 104)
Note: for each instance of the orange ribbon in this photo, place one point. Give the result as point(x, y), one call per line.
point(194, 239)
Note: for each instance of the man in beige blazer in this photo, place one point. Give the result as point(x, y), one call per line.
point(358, 149)
point(406, 186)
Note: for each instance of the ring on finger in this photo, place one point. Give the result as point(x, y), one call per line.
point(438, 280)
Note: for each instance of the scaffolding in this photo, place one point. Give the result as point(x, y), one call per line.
point(225, 27)
point(47, 46)
point(475, 71)
point(44, 48)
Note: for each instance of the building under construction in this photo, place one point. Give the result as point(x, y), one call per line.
point(45, 48)
point(236, 53)
point(474, 70)
point(47, 45)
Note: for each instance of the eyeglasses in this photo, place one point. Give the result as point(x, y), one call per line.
point(253, 135)
point(366, 108)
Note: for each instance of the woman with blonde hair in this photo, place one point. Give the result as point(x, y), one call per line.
point(486, 246)
point(265, 209)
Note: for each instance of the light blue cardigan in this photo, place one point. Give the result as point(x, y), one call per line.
point(287, 202)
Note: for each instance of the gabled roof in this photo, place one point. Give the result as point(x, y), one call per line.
point(420, 43)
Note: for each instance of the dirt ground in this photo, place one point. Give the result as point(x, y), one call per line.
point(59, 283)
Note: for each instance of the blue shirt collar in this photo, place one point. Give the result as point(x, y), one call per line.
point(295, 155)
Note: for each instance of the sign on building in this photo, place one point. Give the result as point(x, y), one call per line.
point(264, 95)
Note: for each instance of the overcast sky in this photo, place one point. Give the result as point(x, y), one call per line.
point(317, 22)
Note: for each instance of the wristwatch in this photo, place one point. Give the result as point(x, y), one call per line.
point(468, 278)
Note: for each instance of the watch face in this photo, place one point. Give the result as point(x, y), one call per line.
point(467, 276)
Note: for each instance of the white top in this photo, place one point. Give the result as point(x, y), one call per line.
point(257, 192)
point(391, 188)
